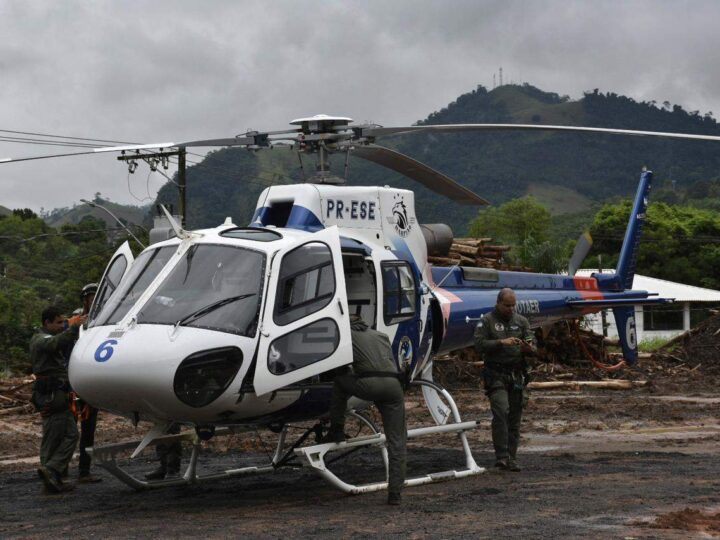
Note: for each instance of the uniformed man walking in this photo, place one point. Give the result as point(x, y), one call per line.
point(374, 377)
point(51, 396)
point(503, 337)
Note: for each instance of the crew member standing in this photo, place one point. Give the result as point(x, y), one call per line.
point(374, 377)
point(503, 338)
point(87, 413)
point(51, 396)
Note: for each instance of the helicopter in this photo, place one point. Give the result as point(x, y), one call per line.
point(237, 328)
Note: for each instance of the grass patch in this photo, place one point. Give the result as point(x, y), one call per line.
point(652, 344)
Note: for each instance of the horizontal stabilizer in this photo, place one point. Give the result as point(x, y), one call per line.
point(619, 302)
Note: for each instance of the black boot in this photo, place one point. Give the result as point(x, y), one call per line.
point(157, 474)
point(335, 434)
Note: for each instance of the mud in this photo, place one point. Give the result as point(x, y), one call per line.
point(637, 464)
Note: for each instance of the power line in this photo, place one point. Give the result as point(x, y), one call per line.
point(64, 137)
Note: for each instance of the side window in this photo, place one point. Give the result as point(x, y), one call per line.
point(307, 283)
point(304, 346)
point(109, 284)
point(399, 292)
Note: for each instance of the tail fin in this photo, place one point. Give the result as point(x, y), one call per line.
point(625, 321)
point(628, 254)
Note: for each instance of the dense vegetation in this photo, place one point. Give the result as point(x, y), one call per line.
point(680, 243)
point(40, 265)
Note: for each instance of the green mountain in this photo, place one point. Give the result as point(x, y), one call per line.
point(127, 214)
point(568, 172)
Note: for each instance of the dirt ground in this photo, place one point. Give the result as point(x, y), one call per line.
point(641, 463)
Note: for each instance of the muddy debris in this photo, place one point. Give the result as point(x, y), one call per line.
point(689, 519)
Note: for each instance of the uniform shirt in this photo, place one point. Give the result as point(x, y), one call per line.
point(492, 328)
point(46, 352)
point(371, 350)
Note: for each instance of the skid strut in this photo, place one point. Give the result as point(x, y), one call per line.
point(314, 456)
point(105, 457)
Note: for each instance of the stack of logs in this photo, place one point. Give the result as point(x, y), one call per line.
point(477, 252)
point(15, 396)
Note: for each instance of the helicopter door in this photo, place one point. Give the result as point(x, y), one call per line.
point(119, 265)
point(306, 325)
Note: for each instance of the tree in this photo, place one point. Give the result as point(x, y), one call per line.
point(679, 243)
point(514, 222)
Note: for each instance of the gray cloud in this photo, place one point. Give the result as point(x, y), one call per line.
point(177, 70)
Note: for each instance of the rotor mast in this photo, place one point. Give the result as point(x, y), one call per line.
point(316, 134)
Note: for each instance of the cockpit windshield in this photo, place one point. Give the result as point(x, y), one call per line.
point(218, 287)
point(143, 271)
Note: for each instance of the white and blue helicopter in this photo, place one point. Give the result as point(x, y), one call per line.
point(240, 327)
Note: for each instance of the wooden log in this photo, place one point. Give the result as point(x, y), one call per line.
point(465, 250)
point(472, 241)
point(16, 410)
point(577, 385)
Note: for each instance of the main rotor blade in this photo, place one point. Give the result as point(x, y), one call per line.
point(450, 128)
point(232, 141)
point(13, 160)
point(430, 178)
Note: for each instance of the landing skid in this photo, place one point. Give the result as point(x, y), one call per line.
point(105, 457)
point(313, 456)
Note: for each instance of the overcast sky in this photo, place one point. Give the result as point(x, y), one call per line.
point(153, 71)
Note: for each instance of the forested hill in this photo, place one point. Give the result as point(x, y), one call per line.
point(497, 165)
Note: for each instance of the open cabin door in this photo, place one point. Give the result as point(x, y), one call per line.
point(117, 268)
point(306, 327)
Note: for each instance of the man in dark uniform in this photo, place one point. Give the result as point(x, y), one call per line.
point(373, 377)
point(51, 396)
point(503, 337)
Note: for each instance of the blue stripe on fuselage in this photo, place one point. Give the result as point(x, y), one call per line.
point(551, 307)
point(411, 328)
point(299, 218)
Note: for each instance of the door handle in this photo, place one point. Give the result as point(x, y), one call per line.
point(342, 311)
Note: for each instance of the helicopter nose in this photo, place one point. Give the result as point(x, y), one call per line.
point(152, 372)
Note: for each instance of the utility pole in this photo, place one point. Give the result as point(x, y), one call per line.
point(154, 160)
point(182, 184)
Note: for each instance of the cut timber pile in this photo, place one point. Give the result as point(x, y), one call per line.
point(15, 396)
point(699, 347)
point(560, 359)
point(476, 252)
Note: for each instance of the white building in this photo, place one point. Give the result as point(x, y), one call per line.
point(690, 307)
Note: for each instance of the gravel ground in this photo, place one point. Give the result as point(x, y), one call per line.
point(639, 464)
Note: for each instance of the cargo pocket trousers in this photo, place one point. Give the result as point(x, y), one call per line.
point(506, 404)
point(388, 396)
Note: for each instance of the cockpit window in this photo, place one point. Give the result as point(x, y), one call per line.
point(112, 279)
point(306, 284)
point(217, 287)
point(249, 233)
point(143, 271)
